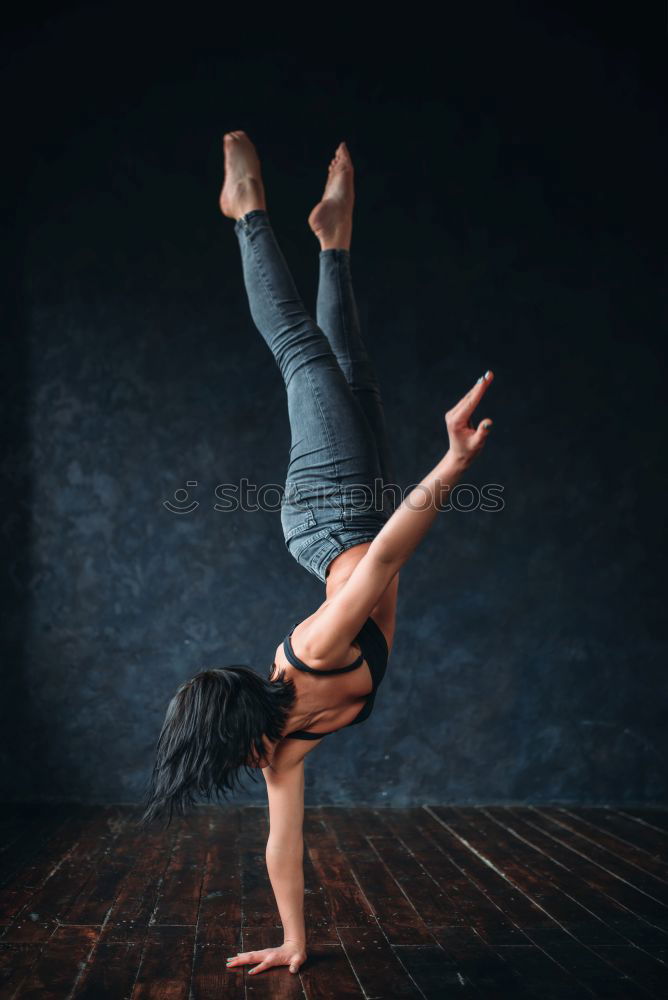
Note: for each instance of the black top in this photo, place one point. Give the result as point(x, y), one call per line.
point(373, 644)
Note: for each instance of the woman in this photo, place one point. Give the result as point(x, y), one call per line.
point(340, 523)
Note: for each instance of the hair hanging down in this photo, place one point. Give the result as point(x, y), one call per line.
point(214, 723)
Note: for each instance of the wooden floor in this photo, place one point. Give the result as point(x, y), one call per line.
point(428, 902)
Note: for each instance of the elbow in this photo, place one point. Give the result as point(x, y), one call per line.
point(285, 846)
point(385, 557)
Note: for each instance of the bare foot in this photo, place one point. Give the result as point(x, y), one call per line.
point(243, 189)
point(332, 218)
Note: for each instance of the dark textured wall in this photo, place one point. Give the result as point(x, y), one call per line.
point(508, 216)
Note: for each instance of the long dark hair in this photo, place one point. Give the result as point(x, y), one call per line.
point(214, 723)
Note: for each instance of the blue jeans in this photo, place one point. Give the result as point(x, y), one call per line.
point(339, 459)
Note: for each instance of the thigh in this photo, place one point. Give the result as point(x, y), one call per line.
point(332, 448)
point(337, 315)
point(332, 444)
point(333, 491)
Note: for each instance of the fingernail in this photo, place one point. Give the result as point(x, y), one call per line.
point(486, 373)
point(487, 425)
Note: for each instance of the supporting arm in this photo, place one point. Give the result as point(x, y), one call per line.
point(285, 848)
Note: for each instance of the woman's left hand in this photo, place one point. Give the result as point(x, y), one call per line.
point(288, 953)
point(465, 439)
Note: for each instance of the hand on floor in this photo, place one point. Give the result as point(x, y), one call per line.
point(287, 954)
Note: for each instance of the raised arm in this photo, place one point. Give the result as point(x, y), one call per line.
point(412, 519)
point(327, 634)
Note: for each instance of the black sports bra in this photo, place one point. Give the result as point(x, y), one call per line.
point(373, 644)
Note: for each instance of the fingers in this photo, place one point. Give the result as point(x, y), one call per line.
point(244, 957)
point(482, 432)
point(468, 403)
point(475, 394)
point(259, 968)
point(265, 960)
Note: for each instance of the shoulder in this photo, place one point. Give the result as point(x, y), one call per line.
point(328, 634)
point(288, 756)
point(307, 643)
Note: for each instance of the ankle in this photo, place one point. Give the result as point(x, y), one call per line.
point(248, 196)
point(334, 242)
point(243, 208)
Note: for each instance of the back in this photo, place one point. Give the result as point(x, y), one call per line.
point(374, 650)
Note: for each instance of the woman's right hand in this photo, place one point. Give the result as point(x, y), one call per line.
point(289, 953)
point(465, 439)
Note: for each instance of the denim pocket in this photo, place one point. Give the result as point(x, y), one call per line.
point(297, 543)
point(296, 529)
point(296, 513)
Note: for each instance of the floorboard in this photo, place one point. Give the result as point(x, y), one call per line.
point(428, 902)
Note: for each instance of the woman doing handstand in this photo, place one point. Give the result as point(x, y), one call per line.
point(326, 671)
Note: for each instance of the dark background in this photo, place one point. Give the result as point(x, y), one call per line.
point(510, 165)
